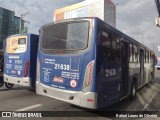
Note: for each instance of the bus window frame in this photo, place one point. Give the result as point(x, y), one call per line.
point(134, 51)
point(130, 54)
point(111, 35)
point(101, 42)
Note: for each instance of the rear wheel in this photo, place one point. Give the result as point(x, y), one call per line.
point(1, 83)
point(133, 91)
point(9, 85)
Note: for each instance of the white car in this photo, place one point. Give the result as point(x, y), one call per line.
point(157, 66)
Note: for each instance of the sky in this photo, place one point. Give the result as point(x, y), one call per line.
point(135, 18)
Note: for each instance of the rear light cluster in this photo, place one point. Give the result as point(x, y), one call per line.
point(26, 69)
point(88, 76)
point(90, 100)
point(38, 70)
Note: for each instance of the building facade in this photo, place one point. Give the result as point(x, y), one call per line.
point(6, 23)
point(103, 9)
point(16, 25)
point(9, 23)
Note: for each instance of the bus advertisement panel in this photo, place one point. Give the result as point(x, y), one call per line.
point(16, 44)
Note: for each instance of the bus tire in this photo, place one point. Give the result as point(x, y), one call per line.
point(133, 91)
point(1, 83)
point(9, 85)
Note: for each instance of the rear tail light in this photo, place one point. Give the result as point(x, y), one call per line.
point(88, 75)
point(90, 100)
point(38, 70)
point(26, 69)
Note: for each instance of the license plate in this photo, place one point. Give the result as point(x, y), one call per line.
point(58, 79)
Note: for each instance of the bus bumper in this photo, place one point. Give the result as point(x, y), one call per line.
point(19, 81)
point(86, 100)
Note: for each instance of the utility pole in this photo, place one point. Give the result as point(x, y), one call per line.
point(22, 21)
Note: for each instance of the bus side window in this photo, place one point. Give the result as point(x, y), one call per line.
point(138, 51)
point(147, 57)
point(135, 54)
point(152, 58)
point(115, 49)
point(106, 45)
point(131, 53)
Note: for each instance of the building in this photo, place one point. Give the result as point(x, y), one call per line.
point(9, 23)
point(16, 25)
point(6, 23)
point(104, 9)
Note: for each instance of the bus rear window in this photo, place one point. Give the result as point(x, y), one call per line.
point(65, 36)
point(16, 44)
point(21, 41)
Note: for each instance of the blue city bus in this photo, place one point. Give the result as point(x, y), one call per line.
point(20, 58)
point(88, 63)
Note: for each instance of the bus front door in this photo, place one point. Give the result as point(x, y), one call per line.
point(124, 69)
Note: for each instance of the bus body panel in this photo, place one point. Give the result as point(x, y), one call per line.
point(108, 84)
point(16, 64)
point(78, 98)
point(59, 69)
point(33, 58)
point(10, 60)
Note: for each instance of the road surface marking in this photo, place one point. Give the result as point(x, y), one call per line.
point(145, 107)
point(147, 98)
point(30, 107)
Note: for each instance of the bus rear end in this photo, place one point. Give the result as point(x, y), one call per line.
point(66, 62)
point(17, 60)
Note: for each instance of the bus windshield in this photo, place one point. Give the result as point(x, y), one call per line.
point(16, 44)
point(65, 36)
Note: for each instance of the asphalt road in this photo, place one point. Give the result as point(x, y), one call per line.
point(24, 99)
